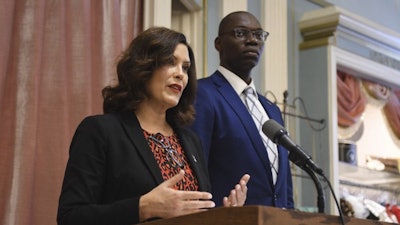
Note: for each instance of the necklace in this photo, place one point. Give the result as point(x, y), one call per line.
point(171, 154)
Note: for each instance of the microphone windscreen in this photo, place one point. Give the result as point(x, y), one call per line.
point(273, 129)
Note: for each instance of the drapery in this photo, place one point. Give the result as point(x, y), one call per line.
point(392, 112)
point(351, 101)
point(55, 57)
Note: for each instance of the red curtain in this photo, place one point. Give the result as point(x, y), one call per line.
point(351, 101)
point(55, 57)
point(392, 112)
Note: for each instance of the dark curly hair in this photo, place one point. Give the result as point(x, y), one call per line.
point(150, 50)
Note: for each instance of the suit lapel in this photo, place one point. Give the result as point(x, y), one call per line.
point(237, 106)
point(134, 132)
point(194, 159)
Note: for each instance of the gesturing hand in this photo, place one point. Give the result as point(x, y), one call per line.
point(165, 202)
point(237, 196)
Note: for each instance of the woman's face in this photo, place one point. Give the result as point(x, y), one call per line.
point(169, 81)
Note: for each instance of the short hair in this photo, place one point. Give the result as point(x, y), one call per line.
point(150, 50)
point(228, 19)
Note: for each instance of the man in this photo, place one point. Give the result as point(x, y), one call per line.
point(232, 138)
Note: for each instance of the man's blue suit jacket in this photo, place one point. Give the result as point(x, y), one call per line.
point(233, 146)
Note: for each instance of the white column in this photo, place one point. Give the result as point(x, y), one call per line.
point(157, 13)
point(191, 24)
point(228, 6)
point(275, 51)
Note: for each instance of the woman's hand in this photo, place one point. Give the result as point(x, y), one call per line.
point(237, 196)
point(166, 202)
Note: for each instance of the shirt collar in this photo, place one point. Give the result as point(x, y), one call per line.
point(236, 82)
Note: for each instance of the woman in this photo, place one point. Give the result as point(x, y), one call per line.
point(137, 162)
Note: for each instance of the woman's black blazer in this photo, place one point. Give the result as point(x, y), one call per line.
point(110, 166)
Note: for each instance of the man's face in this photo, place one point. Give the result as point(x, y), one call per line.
point(240, 52)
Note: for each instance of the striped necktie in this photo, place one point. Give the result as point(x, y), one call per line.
point(259, 120)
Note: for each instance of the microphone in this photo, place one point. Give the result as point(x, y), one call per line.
point(274, 131)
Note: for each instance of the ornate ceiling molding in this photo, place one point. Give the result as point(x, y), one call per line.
point(335, 26)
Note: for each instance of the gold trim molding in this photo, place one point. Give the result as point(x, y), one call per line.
point(329, 21)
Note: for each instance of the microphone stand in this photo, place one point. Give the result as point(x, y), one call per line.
point(321, 199)
point(302, 164)
point(341, 216)
point(318, 186)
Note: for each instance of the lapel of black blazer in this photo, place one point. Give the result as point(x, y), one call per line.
point(191, 148)
point(132, 127)
point(133, 130)
point(237, 106)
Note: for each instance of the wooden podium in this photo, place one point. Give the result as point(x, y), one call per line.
point(259, 215)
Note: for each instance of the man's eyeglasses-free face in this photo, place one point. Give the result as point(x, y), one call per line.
point(244, 34)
